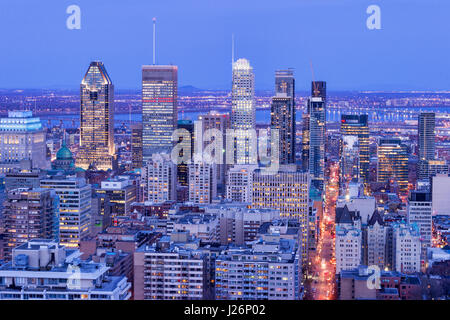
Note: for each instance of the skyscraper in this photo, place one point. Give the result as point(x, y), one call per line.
point(426, 143)
point(393, 163)
point(74, 208)
point(136, 146)
point(187, 147)
point(220, 122)
point(305, 141)
point(283, 114)
point(243, 112)
point(357, 126)
point(317, 132)
point(426, 136)
point(159, 108)
point(96, 119)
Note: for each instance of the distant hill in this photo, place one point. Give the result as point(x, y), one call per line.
point(188, 89)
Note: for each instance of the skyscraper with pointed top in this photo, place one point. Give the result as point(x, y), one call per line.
point(243, 112)
point(97, 149)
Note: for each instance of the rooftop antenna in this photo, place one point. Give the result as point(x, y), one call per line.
point(316, 91)
point(232, 50)
point(154, 40)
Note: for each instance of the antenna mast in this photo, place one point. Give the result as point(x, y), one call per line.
point(154, 41)
point(314, 81)
point(232, 50)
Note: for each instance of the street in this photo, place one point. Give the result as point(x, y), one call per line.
point(321, 282)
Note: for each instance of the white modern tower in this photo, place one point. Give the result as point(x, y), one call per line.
point(243, 112)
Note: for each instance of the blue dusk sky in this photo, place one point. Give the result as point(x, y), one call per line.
point(410, 52)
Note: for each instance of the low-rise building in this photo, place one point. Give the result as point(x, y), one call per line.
point(45, 270)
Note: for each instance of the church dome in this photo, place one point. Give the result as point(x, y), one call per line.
point(64, 153)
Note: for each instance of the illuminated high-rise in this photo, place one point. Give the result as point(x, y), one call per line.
point(305, 142)
point(426, 136)
point(96, 119)
point(243, 112)
point(74, 208)
point(426, 144)
point(186, 142)
point(283, 114)
point(215, 121)
point(159, 108)
point(136, 146)
point(317, 131)
point(393, 163)
point(355, 137)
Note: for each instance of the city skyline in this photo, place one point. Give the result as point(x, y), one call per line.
point(171, 192)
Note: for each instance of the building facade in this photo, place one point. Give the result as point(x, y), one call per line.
point(159, 108)
point(22, 137)
point(97, 148)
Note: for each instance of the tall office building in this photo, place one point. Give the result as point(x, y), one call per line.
point(426, 143)
point(29, 214)
point(22, 137)
point(220, 122)
point(393, 163)
point(74, 208)
point(186, 151)
point(305, 141)
point(355, 135)
point(283, 114)
point(426, 136)
point(159, 108)
point(96, 119)
point(317, 133)
point(243, 112)
point(136, 146)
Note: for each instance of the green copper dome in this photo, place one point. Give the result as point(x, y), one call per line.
point(64, 153)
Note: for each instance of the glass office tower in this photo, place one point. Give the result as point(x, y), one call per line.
point(159, 109)
point(97, 149)
point(356, 126)
point(243, 112)
point(283, 114)
point(317, 132)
